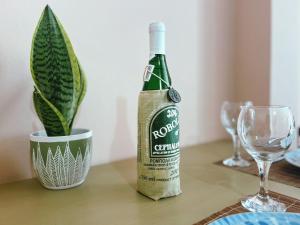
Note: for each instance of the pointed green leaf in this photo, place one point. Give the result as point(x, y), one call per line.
point(54, 66)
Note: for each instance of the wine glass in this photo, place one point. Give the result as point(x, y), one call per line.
point(229, 115)
point(266, 132)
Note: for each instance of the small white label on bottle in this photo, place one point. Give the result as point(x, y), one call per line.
point(148, 72)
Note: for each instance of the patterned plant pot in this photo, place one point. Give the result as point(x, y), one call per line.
point(61, 162)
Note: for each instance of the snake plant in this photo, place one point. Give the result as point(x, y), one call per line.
point(59, 82)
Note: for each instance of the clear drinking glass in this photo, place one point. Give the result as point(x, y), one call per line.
point(229, 115)
point(266, 133)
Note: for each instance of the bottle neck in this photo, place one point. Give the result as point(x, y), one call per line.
point(161, 70)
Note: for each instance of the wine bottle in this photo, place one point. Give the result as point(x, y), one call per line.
point(158, 125)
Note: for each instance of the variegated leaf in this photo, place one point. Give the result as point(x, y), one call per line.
point(55, 69)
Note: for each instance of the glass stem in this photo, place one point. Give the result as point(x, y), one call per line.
point(263, 172)
point(236, 147)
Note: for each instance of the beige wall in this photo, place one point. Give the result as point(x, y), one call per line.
point(252, 73)
point(111, 41)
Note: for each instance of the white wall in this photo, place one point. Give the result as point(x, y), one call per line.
point(111, 40)
point(285, 66)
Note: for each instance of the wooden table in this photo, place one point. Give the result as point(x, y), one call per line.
point(108, 196)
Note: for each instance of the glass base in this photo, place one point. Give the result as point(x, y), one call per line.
point(240, 162)
point(258, 204)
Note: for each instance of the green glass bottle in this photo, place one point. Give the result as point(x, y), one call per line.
point(160, 69)
point(158, 125)
point(158, 59)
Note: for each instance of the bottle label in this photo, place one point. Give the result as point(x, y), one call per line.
point(164, 133)
point(148, 72)
point(158, 145)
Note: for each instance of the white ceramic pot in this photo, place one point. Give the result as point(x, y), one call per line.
point(61, 162)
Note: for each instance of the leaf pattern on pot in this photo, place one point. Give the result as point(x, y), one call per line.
point(61, 169)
